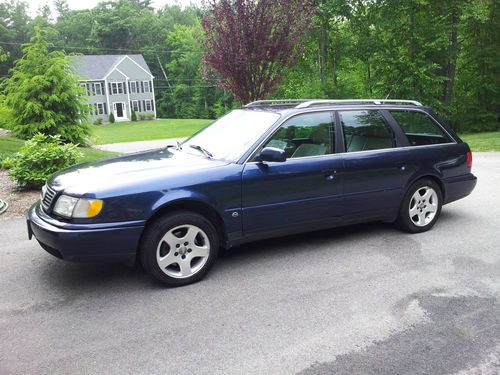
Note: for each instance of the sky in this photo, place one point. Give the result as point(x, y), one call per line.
point(85, 4)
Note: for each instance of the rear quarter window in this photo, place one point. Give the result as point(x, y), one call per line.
point(420, 129)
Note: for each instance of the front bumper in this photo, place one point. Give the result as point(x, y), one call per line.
point(85, 243)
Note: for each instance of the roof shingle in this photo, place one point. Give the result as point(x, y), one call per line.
point(97, 66)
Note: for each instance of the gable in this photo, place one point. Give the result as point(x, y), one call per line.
point(132, 70)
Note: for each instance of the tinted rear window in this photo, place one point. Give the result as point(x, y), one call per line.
point(420, 129)
point(365, 130)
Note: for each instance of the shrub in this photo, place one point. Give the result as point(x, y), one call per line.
point(111, 118)
point(98, 121)
point(134, 116)
point(142, 116)
point(6, 116)
point(150, 116)
point(39, 158)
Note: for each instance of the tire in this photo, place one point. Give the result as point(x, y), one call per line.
point(180, 248)
point(421, 206)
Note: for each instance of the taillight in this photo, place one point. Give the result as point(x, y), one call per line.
point(469, 159)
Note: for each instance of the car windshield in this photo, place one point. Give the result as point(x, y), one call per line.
point(230, 137)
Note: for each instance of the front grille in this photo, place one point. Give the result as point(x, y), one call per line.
point(48, 196)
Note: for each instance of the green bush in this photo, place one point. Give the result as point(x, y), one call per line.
point(39, 158)
point(134, 116)
point(150, 116)
point(111, 118)
point(98, 121)
point(6, 116)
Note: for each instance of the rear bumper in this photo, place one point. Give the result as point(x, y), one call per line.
point(459, 187)
point(85, 243)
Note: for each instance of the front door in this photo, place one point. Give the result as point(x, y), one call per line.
point(119, 110)
point(305, 191)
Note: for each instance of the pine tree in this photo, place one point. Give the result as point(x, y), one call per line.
point(44, 93)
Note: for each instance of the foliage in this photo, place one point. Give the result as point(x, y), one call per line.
point(9, 146)
point(443, 53)
point(44, 94)
point(111, 118)
point(40, 157)
point(98, 121)
point(134, 116)
point(6, 115)
point(250, 42)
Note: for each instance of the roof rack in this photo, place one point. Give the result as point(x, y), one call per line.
point(309, 103)
point(293, 102)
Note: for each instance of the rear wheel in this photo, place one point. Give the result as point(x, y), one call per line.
point(180, 248)
point(421, 206)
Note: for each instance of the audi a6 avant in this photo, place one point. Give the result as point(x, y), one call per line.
point(269, 169)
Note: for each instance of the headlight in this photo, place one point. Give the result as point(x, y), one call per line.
point(80, 208)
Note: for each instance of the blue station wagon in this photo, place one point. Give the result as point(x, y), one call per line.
point(270, 169)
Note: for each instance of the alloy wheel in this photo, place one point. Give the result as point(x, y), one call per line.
point(183, 251)
point(423, 206)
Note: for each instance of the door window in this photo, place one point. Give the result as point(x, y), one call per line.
point(366, 130)
point(420, 129)
point(310, 134)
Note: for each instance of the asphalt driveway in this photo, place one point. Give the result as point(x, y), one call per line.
point(366, 299)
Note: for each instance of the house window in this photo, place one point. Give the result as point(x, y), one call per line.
point(135, 105)
point(133, 87)
point(117, 88)
point(149, 105)
point(147, 86)
point(98, 88)
point(99, 108)
point(84, 86)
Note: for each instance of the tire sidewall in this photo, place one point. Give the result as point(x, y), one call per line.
point(404, 219)
point(155, 232)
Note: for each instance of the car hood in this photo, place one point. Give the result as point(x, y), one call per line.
point(135, 168)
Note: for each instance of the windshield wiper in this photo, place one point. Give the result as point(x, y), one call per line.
point(201, 149)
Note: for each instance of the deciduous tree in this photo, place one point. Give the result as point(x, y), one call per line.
point(250, 43)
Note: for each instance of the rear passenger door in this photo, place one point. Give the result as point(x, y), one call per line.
point(376, 168)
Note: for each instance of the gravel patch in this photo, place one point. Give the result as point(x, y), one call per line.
point(19, 201)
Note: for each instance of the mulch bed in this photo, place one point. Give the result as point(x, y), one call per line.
point(19, 201)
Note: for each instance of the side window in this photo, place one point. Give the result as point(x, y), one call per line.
point(420, 129)
point(366, 130)
point(311, 134)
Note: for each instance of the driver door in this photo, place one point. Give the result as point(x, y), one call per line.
point(305, 191)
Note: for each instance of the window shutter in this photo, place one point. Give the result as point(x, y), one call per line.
point(144, 105)
point(105, 105)
point(153, 105)
point(124, 87)
point(109, 89)
point(129, 89)
point(103, 88)
point(142, 86)
point(139, 105)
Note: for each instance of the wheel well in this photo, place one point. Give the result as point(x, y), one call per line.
point(437, 181)
point(200, 208)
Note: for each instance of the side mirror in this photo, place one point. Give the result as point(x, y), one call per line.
point(272, 154)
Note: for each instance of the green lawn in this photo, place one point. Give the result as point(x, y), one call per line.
point(146, 130)
point(9, 145)
point(483, 141)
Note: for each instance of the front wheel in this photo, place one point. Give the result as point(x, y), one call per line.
point(180, 248)
point(421, 207)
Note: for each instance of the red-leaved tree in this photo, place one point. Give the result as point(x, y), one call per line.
point(250, 42)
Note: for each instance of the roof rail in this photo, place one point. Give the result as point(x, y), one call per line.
point(309, 103)
point(277, 102)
